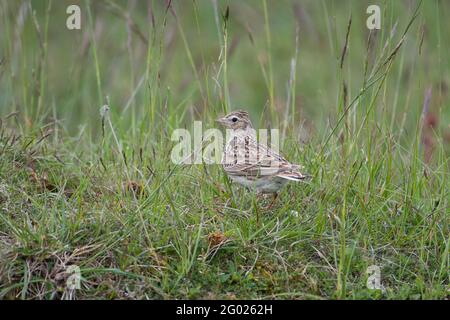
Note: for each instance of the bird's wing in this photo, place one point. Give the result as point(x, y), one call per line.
point(245, 156)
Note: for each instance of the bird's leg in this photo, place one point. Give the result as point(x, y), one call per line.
point(255, 206)
point(275, 196)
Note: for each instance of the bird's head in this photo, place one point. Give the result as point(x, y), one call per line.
point(236, 120)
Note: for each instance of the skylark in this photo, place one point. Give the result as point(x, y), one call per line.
point(252, 164)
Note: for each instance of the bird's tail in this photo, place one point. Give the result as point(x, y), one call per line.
point(294, 174)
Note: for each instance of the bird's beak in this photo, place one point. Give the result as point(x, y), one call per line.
point(221, 120)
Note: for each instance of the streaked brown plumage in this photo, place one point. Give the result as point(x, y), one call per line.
point(253, 164)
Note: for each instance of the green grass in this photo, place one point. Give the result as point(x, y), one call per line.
point(102, 193)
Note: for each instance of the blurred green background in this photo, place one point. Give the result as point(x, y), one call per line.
point(172, 54)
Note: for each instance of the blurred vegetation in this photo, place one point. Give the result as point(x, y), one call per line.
point(186, 63)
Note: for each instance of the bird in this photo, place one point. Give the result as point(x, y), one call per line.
point(252, 164)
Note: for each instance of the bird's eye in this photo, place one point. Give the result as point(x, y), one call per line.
point(234, 119)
